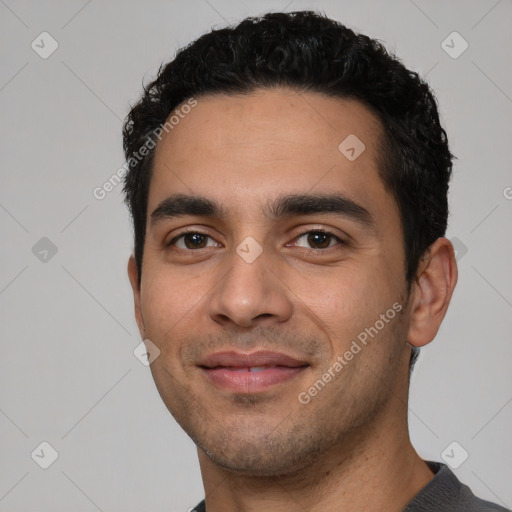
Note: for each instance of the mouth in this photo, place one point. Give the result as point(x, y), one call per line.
point(250, 373)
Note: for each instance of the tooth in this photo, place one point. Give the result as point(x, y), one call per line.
point(256, 368)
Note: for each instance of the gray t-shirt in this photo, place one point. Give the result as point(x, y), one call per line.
point(444, 493)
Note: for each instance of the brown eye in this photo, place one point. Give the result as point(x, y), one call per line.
point(195, 241)
point(192, 240)
point(318, 240)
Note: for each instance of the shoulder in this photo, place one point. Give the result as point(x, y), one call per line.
point(199, 507)
point(446, 493)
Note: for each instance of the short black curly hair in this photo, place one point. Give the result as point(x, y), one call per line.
point(307, 51)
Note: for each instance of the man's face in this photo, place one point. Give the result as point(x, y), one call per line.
point(256, 307)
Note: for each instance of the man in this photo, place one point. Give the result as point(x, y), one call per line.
point(288, 186)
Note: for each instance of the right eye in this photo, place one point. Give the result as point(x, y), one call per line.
point(192, 240)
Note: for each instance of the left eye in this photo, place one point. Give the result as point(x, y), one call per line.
point(318, 240)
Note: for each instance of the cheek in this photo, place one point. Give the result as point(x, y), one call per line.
point(345, 303)
point(166, 301)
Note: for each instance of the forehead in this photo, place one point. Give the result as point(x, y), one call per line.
point(242, 150)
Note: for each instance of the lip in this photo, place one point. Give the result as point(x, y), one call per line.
point(250, 373)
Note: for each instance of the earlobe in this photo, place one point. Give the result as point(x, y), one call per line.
point(432, 292)
point(133, 275)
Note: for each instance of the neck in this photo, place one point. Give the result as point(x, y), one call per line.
point(379, 470)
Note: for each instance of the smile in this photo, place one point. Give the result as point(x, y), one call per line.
point(250, 373)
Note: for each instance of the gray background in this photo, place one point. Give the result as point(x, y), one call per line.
point(68, 373)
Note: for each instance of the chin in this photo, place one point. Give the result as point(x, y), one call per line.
point(258, 463)
point(277, 452)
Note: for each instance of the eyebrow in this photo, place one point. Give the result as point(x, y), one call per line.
point(179, 205)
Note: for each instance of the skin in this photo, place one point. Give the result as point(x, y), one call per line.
point(348, 448)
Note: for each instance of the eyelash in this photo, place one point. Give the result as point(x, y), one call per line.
point(322, 231)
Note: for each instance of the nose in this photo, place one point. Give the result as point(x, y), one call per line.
point(250, 293)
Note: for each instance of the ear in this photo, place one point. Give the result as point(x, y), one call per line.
point(432, 292)
point(133, 274)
